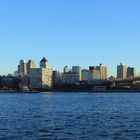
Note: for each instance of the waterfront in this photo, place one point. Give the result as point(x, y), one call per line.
point(88, 116)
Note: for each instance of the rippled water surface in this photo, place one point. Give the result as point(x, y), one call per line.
point(102, 116)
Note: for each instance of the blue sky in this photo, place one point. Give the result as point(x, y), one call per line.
point(70, 32)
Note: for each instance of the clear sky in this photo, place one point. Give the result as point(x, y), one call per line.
point(70, 32)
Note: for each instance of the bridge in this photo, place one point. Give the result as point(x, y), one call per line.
point(125, 83)
point(133, 79)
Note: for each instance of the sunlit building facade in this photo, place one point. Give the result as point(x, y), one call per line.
point(22, 69)
point(103, 71)
point(85, 75)
point(41, 78)
point(94, 74)
point(121, 71)
point(31, 64)
point(77, 71)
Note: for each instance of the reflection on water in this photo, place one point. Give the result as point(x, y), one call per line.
point(70, 116)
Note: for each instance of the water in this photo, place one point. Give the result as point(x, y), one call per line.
point(58, 116)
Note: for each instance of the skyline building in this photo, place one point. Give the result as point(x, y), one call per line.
point(41, 77)
point(71, 75)
point(22, 69)
point(121, 71)
point(57, 77)
point(94, 73)
point(77, 69)
point(70, 78)
point(85, 74)
point(44, 63)
point(31, 64)
point(103, 71)
point(131, 72)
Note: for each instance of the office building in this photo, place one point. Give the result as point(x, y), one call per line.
point(41, 78)
point(85, 75)
point(70, 78)
point(121, 71)
point(57, 77)
point(22, 69)
point(44, 63)
point(77, 71)
point(31, 64)
point(131, 72)
point(94, 74)
point(103, 71)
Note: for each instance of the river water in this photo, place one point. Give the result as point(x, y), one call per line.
point(74, 116)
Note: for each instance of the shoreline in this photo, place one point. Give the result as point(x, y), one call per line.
point(70, 91)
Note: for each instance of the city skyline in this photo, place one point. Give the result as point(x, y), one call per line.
point(37, 64)
point(70, 33)
point(24, 68)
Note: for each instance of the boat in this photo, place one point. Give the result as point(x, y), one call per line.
point(25, 89)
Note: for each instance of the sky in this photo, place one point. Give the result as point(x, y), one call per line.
point(70, 32)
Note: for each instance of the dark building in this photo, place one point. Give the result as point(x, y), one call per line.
point(131, 72)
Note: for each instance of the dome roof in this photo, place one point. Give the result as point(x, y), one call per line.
point(44, 60)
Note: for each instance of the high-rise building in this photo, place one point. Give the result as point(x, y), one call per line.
point(93, 73)
point(41, 78)
point(77, 69)
point(57, 77)
point(103, 71)
point(121, 71)
point(71, 76)
point(44, 63)
point(31, 64)
point(85, 75)
point(22, 70)
point(131, 72)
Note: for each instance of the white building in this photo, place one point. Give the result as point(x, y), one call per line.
point(41, 78)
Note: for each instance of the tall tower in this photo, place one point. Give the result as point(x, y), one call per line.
point(31, 64)
point(85, 75)
point(131, 72)
point(121, 71)
point(44, 63)
point(103, 71)
point(77, 69)
point(94, 73)
point(41, 78)
point(22, 69)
